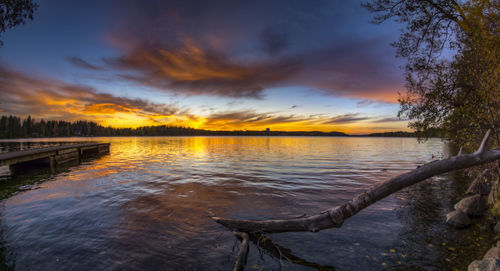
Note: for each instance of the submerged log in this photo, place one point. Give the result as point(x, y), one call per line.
point(336, 216)
point(241, 259)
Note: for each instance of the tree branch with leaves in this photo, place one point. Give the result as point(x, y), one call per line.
point(15, 12)
point(453, 64)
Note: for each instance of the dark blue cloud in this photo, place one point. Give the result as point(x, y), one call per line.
point(84, 64)
point(325, 45)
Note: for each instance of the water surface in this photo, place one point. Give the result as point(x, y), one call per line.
point(147, 205)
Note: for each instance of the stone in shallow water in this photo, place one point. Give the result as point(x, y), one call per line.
point(493, 253)
point(497, 228)
point(473, 205)
point(491, 264)
point(458, 219)
point(479, 186)
point(494, 189)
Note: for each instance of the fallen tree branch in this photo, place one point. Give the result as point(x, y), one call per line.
point(336, 216)
point(241, 259)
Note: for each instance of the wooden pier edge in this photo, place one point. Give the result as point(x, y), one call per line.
point(53, 156)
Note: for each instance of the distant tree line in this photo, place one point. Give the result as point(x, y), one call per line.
point(434, 132)
point(15, 127)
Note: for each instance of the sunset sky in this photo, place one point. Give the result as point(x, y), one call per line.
point(221, 65)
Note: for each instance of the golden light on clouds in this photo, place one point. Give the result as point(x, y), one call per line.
point(50, 99)
point(192, 64)
point(107, 108)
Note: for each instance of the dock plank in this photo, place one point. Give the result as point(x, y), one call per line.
point(14, 157)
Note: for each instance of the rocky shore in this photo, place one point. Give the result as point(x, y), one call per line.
point(481, 199)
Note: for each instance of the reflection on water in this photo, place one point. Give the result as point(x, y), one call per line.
point(147, 206)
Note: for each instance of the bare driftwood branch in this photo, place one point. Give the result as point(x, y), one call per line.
point(241, 259)
point(482, 147)
point(336, 216)
point(279, 252)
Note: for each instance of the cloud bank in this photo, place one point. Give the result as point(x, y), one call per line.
point(239, 49)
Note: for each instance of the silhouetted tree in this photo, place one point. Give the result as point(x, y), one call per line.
point(453, 69)
point(15, 12)
point(27, 127)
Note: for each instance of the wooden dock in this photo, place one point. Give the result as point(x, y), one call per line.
point(53, 156)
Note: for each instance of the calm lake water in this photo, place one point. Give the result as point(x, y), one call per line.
point(147, 206)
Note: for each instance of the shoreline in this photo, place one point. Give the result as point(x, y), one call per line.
point(152, 136)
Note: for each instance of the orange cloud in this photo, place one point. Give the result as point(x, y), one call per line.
point(191, 70)
point(107, 108)
point(52, 99)
point(192, 65)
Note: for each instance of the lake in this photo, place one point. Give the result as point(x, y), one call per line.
point(147, 205)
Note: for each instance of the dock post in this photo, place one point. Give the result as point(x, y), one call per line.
point(52, 162)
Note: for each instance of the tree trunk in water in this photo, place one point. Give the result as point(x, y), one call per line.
point(335, 216)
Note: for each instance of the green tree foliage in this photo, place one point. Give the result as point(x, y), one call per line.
point(15, 12)
point(452, 73)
